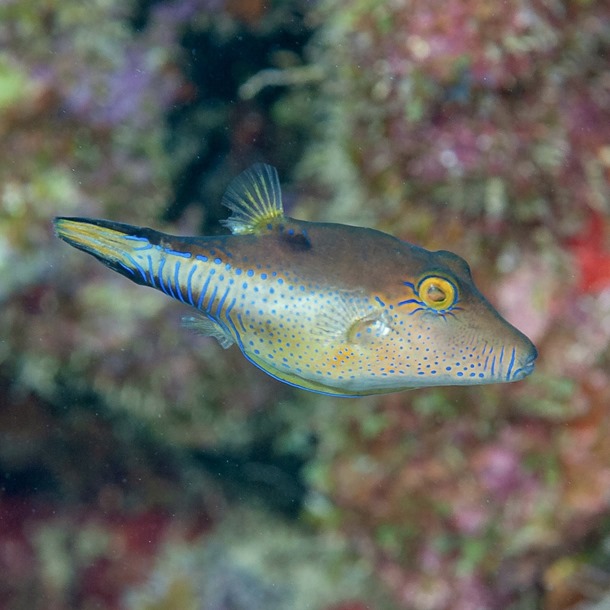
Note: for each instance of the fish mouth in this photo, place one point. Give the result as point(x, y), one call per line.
point(527, 368)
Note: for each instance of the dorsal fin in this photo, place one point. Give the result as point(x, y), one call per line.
point(255, 198)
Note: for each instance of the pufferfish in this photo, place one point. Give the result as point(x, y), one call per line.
point(331, 308)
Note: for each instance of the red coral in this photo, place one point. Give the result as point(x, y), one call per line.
point(592, 255)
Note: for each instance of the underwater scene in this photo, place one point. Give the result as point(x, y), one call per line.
point(373, 370)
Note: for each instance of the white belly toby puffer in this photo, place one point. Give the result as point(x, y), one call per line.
point(331, 308)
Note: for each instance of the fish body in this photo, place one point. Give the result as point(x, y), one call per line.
point(331, 308)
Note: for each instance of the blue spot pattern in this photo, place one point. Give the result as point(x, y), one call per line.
point(297, 330)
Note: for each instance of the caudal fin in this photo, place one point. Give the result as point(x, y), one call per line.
point(115, 244)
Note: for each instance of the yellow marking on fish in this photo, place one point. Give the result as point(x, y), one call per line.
point(330, 308)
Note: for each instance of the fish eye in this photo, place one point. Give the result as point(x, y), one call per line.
point(437, 292)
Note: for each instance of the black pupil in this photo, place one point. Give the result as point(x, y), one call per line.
point(436, 294)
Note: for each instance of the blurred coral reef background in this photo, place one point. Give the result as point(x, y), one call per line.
point(144, 468)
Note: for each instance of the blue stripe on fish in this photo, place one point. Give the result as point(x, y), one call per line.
point(150, 271)
point(211, 301)
point(203, 291)
point(222, 302)
point(178, 253)
point(189, 287)
point(177, 281)
point(127, 268)
point(230, 307)
point(135, 264)
point(510, 366)
point(169, 286)
point(160, 274)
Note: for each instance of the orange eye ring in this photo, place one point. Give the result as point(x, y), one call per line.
point(437, 292)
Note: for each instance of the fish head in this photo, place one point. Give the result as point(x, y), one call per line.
point(447, 333)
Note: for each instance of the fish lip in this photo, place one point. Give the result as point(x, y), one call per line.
point(527, 368)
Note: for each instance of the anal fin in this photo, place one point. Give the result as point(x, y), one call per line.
point(210, 328)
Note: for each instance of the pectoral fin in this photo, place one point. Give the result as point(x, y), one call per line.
point(351, 318)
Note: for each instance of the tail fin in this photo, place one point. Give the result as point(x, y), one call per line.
point(113, 243)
